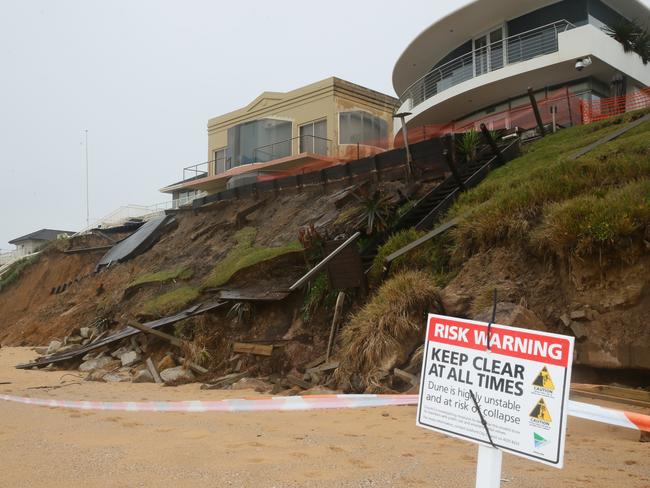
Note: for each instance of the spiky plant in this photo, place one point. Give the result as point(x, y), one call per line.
point(375, 212)
point(642, 45)
point(467, 145)
point(624, 32)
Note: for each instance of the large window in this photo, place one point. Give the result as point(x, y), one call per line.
point(313, 137)
point(258, 141)
point(220, 165)
point(362, 128)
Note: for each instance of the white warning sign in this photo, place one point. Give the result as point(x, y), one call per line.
point(520, 385)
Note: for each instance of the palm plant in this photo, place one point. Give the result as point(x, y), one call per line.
point(467, 145)
point(642, 45)
point(375, 212)
point(624, 32)
point(632, 37)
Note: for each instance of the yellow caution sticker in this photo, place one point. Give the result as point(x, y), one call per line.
point(544, 380)
point(540, 412)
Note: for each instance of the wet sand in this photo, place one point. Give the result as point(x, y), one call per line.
point(51, 447)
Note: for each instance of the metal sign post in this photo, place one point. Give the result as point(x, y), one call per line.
point(488, 467)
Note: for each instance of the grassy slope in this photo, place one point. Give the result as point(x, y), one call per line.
point(162, 276)
point(244, 255)
point(594, 204)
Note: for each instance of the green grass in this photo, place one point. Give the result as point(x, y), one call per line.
point(15, 270)
point(162, 276)
point(521, 196)
point(596, 223)
point(244, 255)
point(171, 302)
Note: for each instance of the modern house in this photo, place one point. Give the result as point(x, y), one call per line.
point(30, 243)
point(476, 63)
point(279, 134)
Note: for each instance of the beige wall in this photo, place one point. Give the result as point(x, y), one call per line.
point(321, 100)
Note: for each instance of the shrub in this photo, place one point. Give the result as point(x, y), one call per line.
point(591, 224)
point(385, 331)
point(16, 270)
point(429, 256)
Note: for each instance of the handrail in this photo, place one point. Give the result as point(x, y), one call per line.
point(290, 140)
point(508, 45)
point(326, 260)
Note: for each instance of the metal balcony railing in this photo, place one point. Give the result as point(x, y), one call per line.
point(282, 149)
point(521, 47)
point(196, 171)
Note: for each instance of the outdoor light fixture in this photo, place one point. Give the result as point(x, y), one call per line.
point(583, 63)
point(402, 116)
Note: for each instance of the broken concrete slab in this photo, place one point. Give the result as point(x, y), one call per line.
point(142, 376)
point(54, 346)
point(130, 358)
point(178, 373)
point(258, 385)
point(93, 364)
point(136, 243)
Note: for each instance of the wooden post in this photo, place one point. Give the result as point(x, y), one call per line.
point(340, 300)
point(451, 160)
point(493, 145)
point(154, 372)
point(538, 117)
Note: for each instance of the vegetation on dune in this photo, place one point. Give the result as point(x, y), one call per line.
point(171, 302)
point(15, 270)
point(431, 256)
point(245, 254)
point(385, 331)
point(163, 276)
point(530, 191)
point(596, 223)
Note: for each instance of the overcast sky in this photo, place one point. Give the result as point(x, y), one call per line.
point(144, 76)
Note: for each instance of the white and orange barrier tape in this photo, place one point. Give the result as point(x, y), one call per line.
point(630, 420)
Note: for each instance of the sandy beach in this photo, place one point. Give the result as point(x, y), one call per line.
point(48, 447)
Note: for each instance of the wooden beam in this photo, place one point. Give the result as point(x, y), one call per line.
point(154, 372)
point(324, 367)
point(257, 349)
point(418, 242)
point(162, 335)
point(224, 381)
point(338, 310)
point(298, 382)
point(407, 377)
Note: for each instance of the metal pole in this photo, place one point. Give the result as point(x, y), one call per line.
point(402, 116)
point(488, 467)
point(87, 189)
point(405, 131)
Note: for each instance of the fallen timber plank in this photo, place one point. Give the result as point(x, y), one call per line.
point(162, 335)
point(78, 250)
point(298, 382)
point(154, 372)
point(418, 242)
point(224, 381)
point(323, 368)
point(316, 362)
point(407, 377)
point(252, 295)
point(257, 349)
point(126, 332)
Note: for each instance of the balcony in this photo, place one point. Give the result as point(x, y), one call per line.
point(515, 49)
